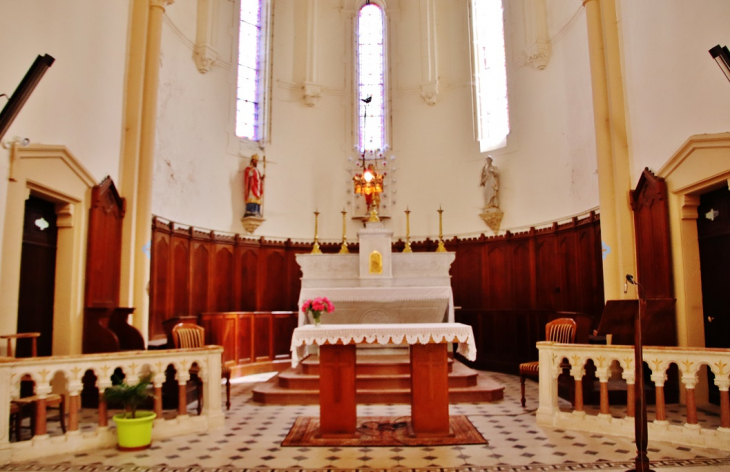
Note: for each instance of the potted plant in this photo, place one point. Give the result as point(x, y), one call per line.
point(134, 426)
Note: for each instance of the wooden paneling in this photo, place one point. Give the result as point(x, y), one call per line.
point(245, 336)
point(651, 227)
point(104, 246)
point(557, 268)
point(506, 338)
point(250, 338)
point(262, 341)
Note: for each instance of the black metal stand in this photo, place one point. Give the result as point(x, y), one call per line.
point(641, 463)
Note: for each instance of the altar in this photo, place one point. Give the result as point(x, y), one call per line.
point(429, 370)
point(377, 286)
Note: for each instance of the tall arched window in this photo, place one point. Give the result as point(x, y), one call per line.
point(490, 74)
point(371, 76)
point(251, 60)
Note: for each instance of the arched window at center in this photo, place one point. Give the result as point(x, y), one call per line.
point(371, 76)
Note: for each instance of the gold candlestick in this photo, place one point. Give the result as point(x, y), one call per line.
point(315, 248)
point(441, 247)
point(408, 232)
point(343, 247)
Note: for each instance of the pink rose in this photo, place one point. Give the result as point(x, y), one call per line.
point(317, 306)
point(305, 305)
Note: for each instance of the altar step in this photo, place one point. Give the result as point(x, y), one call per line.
point(380, 379)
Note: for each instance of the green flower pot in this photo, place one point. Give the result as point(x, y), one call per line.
point(134, 434)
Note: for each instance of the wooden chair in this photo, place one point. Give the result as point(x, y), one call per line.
point(561, 330)
point(26, 406)
point(189, 335)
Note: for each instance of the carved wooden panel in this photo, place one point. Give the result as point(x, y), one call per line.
point(651, 228)
point(262, 337)
point(180, 275)
point(160, 281)
point(199, 277)
point(245, 337)
point(498, 280)
point(547, 284)
point(466, 276)
point(275, 290)
point(104, 246)
point(283, 328)
point(223, 278)
point(220, 329)
point(521, 275)
point(248, 281)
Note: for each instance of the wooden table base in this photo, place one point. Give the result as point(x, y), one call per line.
point(337, 406)
point(429, 390)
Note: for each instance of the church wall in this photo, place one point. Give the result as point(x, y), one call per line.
point(78, 102)
point(674, 89)
point(74, 115)
point(547, 170)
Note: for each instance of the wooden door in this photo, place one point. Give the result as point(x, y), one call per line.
point(713, 232)
point(37, 275)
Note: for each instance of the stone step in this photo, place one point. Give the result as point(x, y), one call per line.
point(460, 376)
point(371, 364)
point(480, 388)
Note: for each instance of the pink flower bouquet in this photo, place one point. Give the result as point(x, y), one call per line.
point(317, 306)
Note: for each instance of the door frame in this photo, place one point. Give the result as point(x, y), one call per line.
point(701, 164)
point(50, 172)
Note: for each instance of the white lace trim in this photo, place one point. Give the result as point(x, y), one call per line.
point(412, 333)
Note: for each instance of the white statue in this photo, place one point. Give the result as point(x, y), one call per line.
point(490, 183)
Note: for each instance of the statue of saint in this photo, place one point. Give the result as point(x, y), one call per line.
point(490, 184)
point(253, 187)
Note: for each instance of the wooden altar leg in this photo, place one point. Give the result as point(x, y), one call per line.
point(429, 390)
point(337, 407)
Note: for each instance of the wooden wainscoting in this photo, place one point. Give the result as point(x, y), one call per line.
point(507, 338)
point(254, 341)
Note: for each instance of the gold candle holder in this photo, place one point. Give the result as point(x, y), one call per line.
point(441, 247)
point(408, 232)
point(315, 248)
point(343, 247)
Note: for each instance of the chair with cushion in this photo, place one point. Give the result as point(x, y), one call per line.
point(561, 330)
point(25, 406)
point(188, 335)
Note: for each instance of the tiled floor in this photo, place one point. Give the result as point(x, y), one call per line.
point(253, 433)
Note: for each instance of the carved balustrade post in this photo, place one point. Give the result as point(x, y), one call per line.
point(630, 377)
point(603, 374)
point(689, 382)
point(724, 385)
point(661, 407)
point(74, 403)
point(182, 380)
point(157, 382)
point(577, 371)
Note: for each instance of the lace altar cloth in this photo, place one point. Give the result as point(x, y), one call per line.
point(382, 294)
point(411, 333)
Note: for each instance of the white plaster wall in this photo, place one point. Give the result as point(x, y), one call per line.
point(548, 171)
point(78, 102)
point(674, 88)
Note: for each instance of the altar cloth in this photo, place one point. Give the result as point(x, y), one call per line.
point(409, 333)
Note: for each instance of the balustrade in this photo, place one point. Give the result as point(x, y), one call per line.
point(607, 361)
point(69, 372)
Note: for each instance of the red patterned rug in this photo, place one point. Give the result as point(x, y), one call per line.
point(381, 431)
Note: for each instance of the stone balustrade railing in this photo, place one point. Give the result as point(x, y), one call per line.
point(572, 358)
point(64, 374)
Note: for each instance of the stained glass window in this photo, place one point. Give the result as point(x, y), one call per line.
point(248, 103)
point(491, 74)
point(371, 76)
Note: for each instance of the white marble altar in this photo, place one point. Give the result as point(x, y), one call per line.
point(377, 286)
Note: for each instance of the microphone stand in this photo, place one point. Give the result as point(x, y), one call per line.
point(641, 463)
